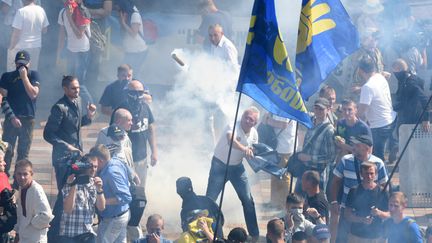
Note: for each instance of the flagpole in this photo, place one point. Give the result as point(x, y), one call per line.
point(294, 151)
point(226, 168)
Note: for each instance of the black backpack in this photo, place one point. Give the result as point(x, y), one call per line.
point(8, 211)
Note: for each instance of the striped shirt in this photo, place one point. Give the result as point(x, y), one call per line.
point(346, 169)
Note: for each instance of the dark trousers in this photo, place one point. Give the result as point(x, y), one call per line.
point(24, 134)
point(61, 172)
point(381, 136)
point(83, 238)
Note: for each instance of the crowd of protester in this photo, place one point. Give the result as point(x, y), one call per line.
point(338, 194)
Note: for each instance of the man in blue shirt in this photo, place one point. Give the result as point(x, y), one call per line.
point(114, 174)
point(401, 228)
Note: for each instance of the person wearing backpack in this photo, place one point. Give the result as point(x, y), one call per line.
point(400, 228)
point(99, 10)
point(76, 34)
point(134, 45)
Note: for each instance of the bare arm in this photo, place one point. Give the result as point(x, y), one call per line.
point(133, 29)
point(236, 144)
point(16, 33)
point(32, 91)
point(362, 109)
point(102, 12)
point(61, 41)
point(69, 201)
point(100, 198)
point(335, 187)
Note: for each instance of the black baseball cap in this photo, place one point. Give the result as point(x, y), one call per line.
point(22, 57)
point(364, 138)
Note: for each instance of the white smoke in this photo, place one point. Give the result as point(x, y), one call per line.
point(184, 119)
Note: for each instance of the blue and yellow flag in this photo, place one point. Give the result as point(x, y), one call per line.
point(266, 74)
point(326, 36)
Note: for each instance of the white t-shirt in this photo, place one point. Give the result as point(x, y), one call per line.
point(74, 44)
point(14, 5)
point(286, 137)
point(222, 147)
point(226, 51)
point(137, 43)
point(376, 94)
point(31, 20)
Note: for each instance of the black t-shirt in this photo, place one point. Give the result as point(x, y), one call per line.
point(114, 94)
point(320, 203)
point(142, 117)
point(361, 201)
point(17, 97)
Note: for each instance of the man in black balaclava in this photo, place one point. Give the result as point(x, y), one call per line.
point(191, 202)
point(142, 132)
point(410, 96)
point(410, 100)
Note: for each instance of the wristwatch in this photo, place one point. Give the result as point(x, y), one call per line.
point(101, 192)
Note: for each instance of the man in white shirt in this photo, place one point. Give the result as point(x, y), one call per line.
point(221, 46)
point(245, 135)
point(28, 25)
point(376, 106)
point(77, 50)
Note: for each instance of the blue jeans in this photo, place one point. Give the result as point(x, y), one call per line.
point(380, 136)
point(238, 178)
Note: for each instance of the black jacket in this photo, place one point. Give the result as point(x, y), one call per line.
point(410, 100)
point(63, 127)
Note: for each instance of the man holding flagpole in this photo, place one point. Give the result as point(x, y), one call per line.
point(245, 135)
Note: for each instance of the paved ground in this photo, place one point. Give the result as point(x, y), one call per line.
point(161, 187)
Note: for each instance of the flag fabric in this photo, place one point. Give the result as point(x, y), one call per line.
point(266, 74)
point(326, 36)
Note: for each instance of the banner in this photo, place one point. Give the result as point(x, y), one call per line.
point(326, 36)
point(266, 74)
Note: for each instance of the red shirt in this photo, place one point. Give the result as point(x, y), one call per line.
point(4, 182)
point(77, 16)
